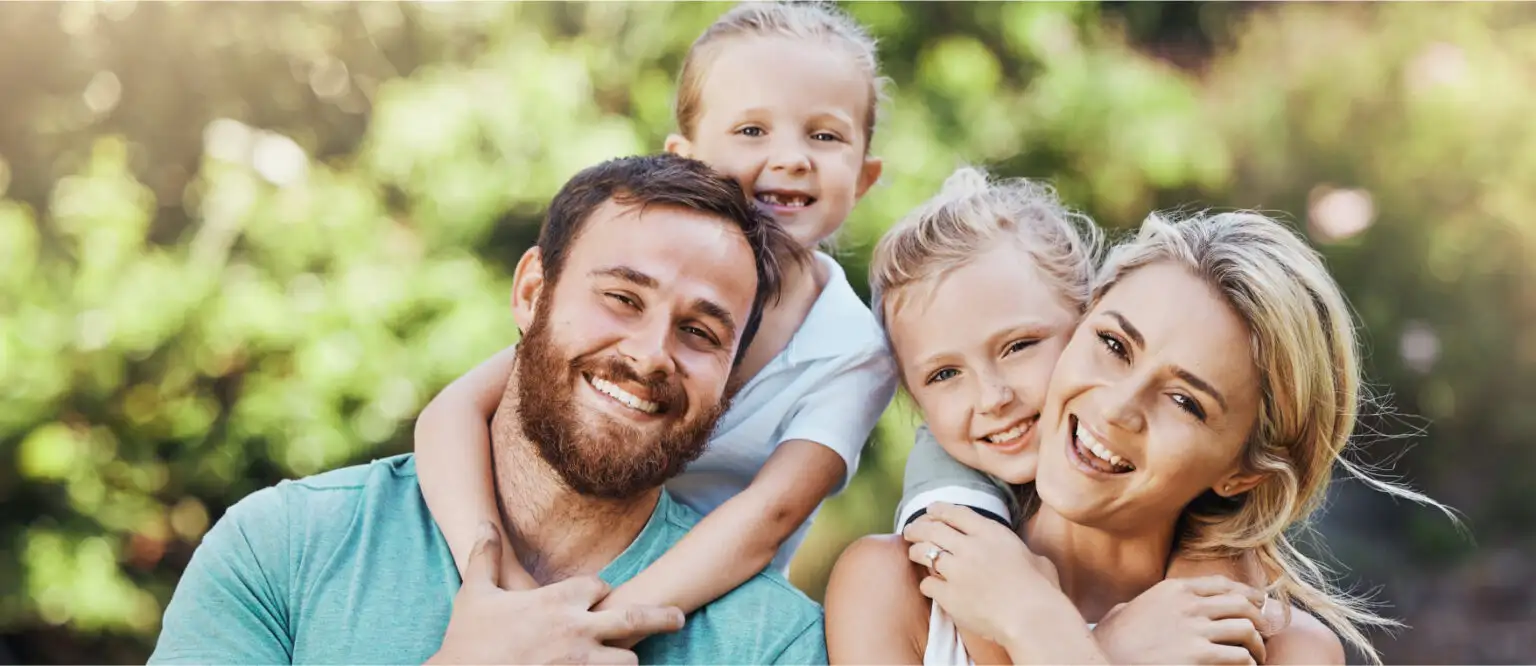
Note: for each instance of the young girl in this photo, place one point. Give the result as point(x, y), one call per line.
point(782, 97)
point(980, 289)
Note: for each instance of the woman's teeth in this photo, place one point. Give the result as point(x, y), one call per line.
point(786, 200)
point(1092, 445)
point(633, 401)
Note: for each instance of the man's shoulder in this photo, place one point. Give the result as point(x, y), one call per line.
point(324, 503)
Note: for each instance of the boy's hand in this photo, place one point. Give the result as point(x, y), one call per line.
point(1210, 620)
point(552, 624)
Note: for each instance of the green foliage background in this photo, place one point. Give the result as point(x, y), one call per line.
point(246, 242)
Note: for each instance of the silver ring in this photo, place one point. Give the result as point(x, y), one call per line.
point(933, 556)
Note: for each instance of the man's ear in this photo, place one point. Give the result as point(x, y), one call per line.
point(527, 286)
point(678, 145)
point(869, 175)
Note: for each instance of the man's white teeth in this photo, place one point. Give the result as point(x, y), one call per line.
point(787, 200)
point(1010, 434)
point(1097, 448)
point(612, 390)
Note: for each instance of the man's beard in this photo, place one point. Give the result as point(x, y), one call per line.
point(597, 456)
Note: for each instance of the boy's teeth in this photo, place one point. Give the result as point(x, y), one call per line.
point(612, 390)
point(790, 200)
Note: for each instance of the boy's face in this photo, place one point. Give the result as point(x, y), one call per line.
point(976, 352)
point(785, 118)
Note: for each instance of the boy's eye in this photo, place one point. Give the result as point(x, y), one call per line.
point(826, 136)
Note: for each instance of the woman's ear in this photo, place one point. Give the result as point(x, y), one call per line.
point(1237, 483)
point(527, 286)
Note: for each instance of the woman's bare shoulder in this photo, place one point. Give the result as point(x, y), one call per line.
point(1304, 640)
point(874, 608)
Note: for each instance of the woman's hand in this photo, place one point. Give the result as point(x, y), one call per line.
point(1210, 620)
point(988, 580)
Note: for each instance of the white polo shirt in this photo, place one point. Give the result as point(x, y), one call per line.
point(829, 385)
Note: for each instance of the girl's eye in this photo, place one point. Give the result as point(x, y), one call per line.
point(1114, 346)
point(751, 130)
point(1020, 345)
point(942, 375)
point(1189, 404)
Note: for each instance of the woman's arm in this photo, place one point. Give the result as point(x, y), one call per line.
point(875, 614)
point(453, 459)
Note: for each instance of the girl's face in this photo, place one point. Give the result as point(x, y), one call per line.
point(1150, 405)
point(976, 353)
point(785, 118)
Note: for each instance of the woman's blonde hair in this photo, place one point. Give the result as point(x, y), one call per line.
point(1305, 348)
point(972, 214)
point(794, 20)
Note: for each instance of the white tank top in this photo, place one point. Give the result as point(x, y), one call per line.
point(944, 645)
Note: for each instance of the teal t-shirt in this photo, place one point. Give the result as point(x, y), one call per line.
point(349, 567)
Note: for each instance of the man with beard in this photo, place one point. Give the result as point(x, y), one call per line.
point(649, 276)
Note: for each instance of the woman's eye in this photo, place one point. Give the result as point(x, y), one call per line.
point(942, 375)
point(1189, 404)
point(1113, 345)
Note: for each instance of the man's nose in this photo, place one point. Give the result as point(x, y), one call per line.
point(648, 348)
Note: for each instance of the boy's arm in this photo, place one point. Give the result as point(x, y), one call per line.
point(453, 455)
point(933, 476)
point(231, 605)
point(819, 451)
point(738, 539)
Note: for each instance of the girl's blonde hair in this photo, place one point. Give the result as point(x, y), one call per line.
point(795, 20)
point(971, 215)
point(1305, 348)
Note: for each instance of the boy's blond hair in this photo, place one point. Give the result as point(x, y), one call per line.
point(794, 20)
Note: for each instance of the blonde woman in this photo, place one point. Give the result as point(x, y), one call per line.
point(1199, 408)
point(979, 290)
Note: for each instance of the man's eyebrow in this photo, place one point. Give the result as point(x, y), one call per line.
point(627, 274)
